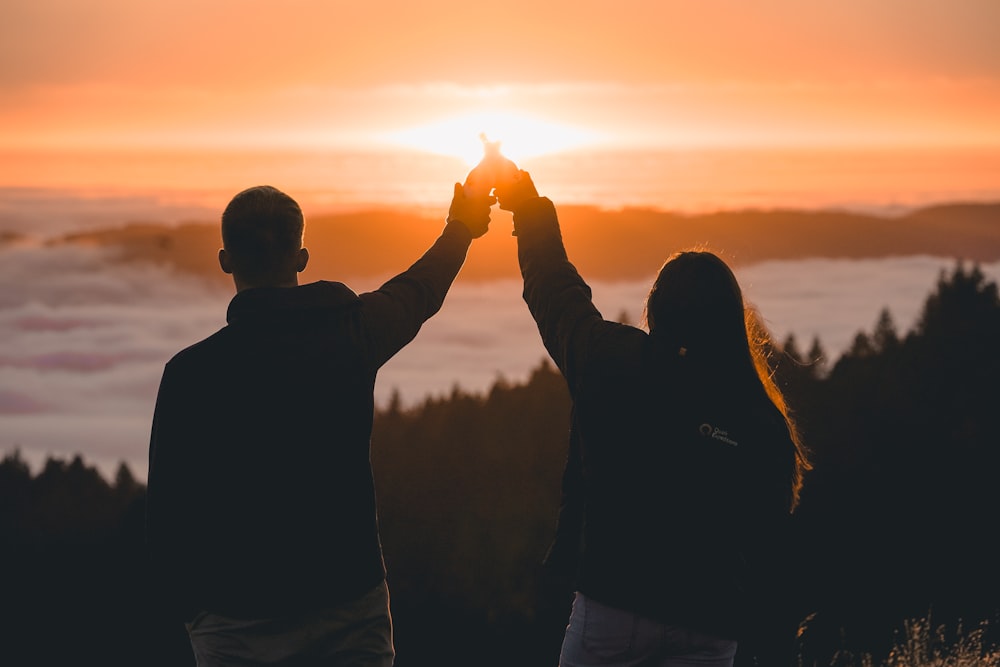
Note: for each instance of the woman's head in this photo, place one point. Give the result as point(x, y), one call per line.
point(696, 310)
point(696, 304)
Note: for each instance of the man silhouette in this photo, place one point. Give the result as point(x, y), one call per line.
point(261, 514)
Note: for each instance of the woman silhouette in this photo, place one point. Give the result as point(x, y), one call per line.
point(684, 465)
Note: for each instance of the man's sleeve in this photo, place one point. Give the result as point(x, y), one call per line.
point(160, 472)
point(395, 312)
point(167, 501)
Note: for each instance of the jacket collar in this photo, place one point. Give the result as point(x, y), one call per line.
point(267, 302)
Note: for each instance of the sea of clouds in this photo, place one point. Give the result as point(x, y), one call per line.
point(85, 340)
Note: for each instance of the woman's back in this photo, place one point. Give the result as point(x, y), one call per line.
point(682, 478)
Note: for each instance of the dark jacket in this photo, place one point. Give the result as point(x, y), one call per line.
point(261, 498)
point(676, 489)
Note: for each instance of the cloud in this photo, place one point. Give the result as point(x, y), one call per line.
point(835, 299)
point(38, 323)
point(76, 361)
point(85, 337)
point(43, 212)
point(15, 403)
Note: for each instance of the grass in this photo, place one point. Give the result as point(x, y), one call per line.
point(922, 644)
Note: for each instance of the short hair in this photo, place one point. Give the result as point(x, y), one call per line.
point(262, 231)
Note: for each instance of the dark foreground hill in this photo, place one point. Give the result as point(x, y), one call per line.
point(609, 245)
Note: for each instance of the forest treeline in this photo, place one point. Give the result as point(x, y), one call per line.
point(897, 518)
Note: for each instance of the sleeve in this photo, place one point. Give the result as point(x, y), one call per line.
point(562, 561)
point(773, 613)
point(157, 500)
point(168, 502)
point(395, 312)
point(558, 298)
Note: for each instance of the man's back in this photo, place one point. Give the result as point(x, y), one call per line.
point(261, 512)
point(268, 423)
point(261, 497)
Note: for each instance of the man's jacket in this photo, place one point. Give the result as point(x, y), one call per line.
point(260, 497)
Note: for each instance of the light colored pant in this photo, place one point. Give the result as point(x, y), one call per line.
point(355, 634)
point(603, 636)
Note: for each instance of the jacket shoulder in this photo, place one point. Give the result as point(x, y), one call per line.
point(197, 349)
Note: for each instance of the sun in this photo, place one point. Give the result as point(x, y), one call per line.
point(521, 136)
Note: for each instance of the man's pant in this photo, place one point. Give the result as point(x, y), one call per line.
point(603, 636)
point(355, 634)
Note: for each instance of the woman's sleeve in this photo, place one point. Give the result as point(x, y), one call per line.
point(558, 298)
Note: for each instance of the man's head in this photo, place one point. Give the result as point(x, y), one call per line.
point(262, 230)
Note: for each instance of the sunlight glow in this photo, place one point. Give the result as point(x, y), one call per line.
point(520, 136)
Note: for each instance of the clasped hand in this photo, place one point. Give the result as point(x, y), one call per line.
point(496, 179)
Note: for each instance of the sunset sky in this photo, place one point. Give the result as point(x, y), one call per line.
point(316, 74)
point(116, 111)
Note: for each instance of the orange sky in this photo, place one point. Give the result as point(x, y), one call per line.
point(316, 73)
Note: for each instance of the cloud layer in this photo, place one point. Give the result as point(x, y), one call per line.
point(85, 341)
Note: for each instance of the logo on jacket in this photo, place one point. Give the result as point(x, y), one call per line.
point(716, 433)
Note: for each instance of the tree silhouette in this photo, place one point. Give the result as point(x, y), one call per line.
point(906, 466)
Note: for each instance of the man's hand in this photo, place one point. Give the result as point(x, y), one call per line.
point(493, 168)
point(473, 211)
point(514, 188)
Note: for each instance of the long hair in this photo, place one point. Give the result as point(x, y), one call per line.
point(696, 310)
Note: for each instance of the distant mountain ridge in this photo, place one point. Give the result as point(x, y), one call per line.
point(962, 231)
point(611, 245)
